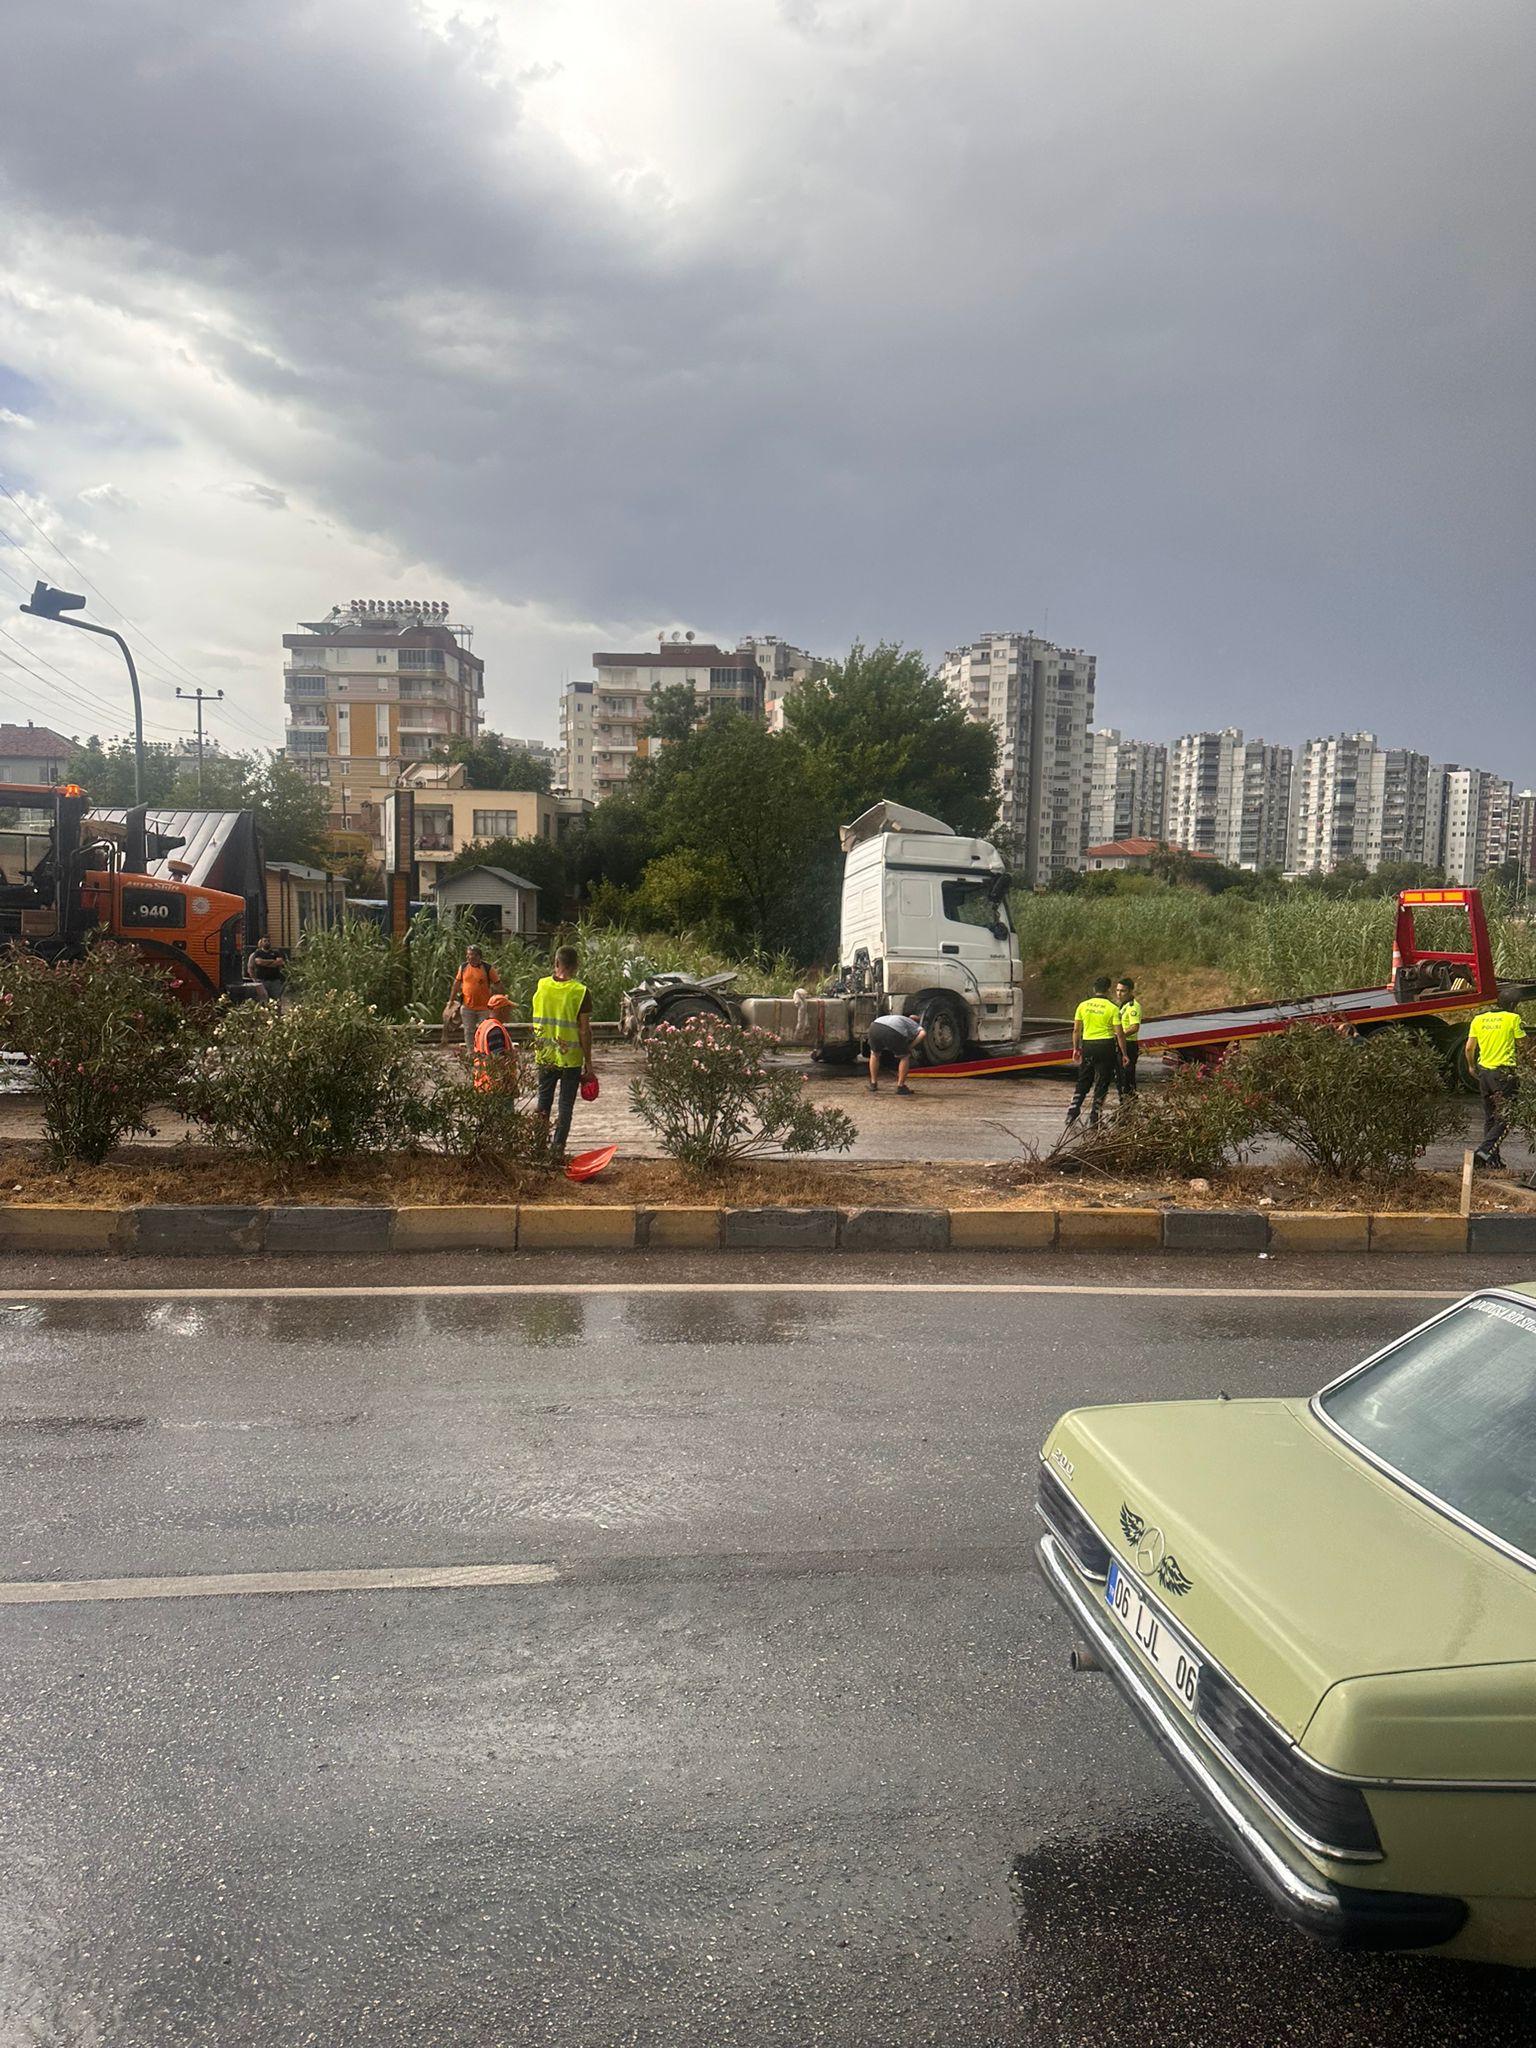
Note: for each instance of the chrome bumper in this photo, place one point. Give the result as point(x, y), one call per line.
point(1346, 1914)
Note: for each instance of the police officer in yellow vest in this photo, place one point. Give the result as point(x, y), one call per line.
point(562, 1041)
point(1491, 1040)
point(1130, 1033)
point(1098, 1043)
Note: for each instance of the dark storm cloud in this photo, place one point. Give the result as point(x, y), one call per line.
point(1206, 329)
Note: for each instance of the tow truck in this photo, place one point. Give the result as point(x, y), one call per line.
point(926, 928)
point(65, 876)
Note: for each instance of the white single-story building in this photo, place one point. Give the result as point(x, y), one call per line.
point(503, 902)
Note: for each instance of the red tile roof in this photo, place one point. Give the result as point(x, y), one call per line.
point(1137, 849)
point(32, 742)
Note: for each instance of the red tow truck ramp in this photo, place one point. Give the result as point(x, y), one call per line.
point(1424, 985)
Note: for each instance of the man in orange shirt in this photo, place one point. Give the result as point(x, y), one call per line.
point(472, 986)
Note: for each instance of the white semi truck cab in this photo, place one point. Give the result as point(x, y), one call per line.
point(925, 928)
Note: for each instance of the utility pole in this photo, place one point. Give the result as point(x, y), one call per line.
point(200, 697)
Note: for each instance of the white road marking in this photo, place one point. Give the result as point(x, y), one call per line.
point(511, 1289)
point(395, 1579)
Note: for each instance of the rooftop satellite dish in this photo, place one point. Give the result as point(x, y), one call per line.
point(688, 636)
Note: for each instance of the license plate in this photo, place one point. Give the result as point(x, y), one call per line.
point(1159, 1646)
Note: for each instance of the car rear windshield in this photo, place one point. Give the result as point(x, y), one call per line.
point(1453, 1410)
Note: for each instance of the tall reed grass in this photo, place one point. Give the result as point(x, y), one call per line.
point(359, 957)
point(1274, 947)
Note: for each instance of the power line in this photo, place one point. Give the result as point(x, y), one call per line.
point(89, 697)
point(174, 661)
point(100, 593)
point(76, 704)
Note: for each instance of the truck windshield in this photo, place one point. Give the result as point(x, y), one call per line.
point(972, 901)
point(1452, 1411)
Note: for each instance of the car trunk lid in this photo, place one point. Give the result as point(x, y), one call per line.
point(1300, 1564)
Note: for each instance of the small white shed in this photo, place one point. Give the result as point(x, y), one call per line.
point(502, 901)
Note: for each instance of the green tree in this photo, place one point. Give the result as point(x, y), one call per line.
point(104, 770)
point(538, 861)
point(674, 712)
point(756, 804)
point(683, 891)
point(882, 724)
point(491, 762)
point(612, 844)
point(291, 811)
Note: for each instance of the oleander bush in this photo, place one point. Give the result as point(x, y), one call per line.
point(1354, 1106)
point(319, 1080)
point(713, 1098)
point(104, 1039)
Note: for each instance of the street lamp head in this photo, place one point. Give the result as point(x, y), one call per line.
point(47, 603)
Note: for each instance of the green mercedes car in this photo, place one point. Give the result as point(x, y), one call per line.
point(1324, 1614)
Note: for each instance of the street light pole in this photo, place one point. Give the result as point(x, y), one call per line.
point(48, 603)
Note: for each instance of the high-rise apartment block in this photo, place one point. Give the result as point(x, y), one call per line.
point(1402, 819)
point(1127, 787)
point(1358, 801)
point(1230, 797)
point(1477, 809)
point(602, 722)
point(1333, 802)
point(370, 688)
point(1521, 845)
point(1038, 698)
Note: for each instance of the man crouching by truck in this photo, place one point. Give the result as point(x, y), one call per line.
point(900, 1036)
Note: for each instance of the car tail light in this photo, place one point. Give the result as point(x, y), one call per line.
point(1066, 1520)
point(1324, 1811)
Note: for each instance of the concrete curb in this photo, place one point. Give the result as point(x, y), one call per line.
point(1215, 1230)
point(171, 1230)
point(66, 1230)
point(894, 1230)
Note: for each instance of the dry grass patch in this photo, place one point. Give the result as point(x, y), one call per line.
point(147, 1175)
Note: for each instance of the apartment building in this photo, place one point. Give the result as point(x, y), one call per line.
point(784, 668)
point(602, 721)
point(372, 687)
point(1477, 811)
point(1038, 698)
point(1521, 845)
point(1230, 797)
point(1403, 811)
point(1127, 787)
point(1333, 801)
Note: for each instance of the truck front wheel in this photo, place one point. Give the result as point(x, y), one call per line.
point(945, 1026)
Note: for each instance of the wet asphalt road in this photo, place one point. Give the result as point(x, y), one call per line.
point(786, 1752)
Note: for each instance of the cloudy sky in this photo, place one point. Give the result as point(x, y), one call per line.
point(1199, 335)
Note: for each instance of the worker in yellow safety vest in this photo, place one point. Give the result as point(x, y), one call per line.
point(562, 1041)
point(493, 1041)
point(1130, 1033)
point(1491, 1041)
point(1098, 1044)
